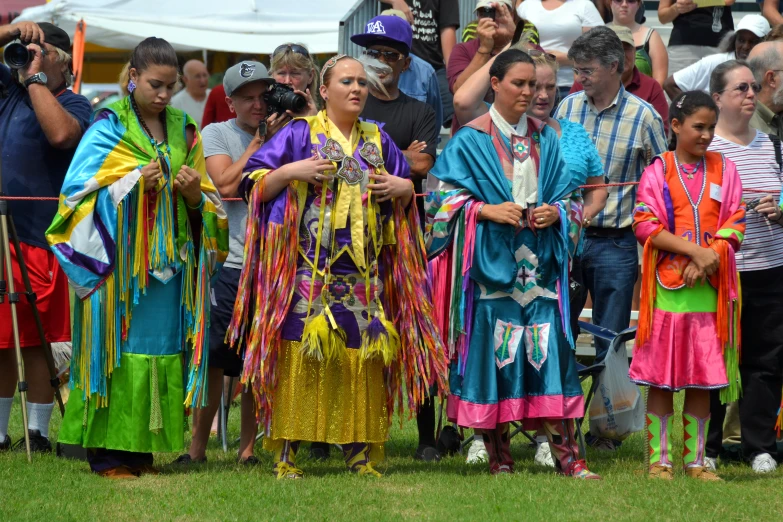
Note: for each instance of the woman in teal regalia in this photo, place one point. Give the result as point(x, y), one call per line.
point(503, 219)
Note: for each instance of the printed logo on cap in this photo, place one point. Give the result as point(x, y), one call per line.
point(376, 28)
point(246, 70)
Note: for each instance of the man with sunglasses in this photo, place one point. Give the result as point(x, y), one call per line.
point(628, 134)
point(41, 123)
point(634, 81)
point(411, 124)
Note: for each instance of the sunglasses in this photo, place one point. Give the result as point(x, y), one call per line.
point(534, 53)
point(389, 57)
point(743, 88)
point(294, 48)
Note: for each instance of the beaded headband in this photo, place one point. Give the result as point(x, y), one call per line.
point(331, 62)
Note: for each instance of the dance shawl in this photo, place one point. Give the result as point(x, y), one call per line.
point(469, 172)
point(400, 329)
point(654, 212)
point(109, 236)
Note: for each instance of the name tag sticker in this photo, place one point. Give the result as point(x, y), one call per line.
point(715, 192)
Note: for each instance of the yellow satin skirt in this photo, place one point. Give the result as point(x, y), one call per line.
point(338, 402)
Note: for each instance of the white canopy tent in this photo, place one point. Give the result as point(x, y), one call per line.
point(242, 26)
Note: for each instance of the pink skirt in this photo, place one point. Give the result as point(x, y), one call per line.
point(683, 351)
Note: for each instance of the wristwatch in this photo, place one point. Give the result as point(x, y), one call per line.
point(36, 78)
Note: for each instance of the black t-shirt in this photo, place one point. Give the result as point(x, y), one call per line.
point(31, 167)
point(699, 26)
point(405, 120)
point(430, 17)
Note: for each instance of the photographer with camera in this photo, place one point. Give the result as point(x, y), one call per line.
point(41, 122)
point(261, 108)
point(291, 65)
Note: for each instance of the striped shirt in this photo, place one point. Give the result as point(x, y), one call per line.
point(760, 174)
point(628, 134)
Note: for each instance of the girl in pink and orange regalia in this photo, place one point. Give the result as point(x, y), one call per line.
point(691, 220)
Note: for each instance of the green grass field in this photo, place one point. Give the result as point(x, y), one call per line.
point(56, 489)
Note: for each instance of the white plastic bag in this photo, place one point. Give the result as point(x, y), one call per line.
point(616, 410)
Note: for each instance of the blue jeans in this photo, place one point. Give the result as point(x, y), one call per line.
point(607, 269)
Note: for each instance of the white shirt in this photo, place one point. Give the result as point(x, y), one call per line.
point(696, 77)
point(557, 29)
point(185, 102)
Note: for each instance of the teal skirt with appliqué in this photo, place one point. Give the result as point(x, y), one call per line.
point(519, 366)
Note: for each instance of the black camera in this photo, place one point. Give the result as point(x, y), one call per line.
point(16, 55)
point(281, 98)
point(486, 12)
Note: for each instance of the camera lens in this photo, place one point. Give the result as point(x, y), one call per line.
point(293, 102)
point(16, 55)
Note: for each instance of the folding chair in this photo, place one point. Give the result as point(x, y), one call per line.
point(616, 340)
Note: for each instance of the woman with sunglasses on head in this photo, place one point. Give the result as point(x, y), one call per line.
point(760, 264)
point(140, 232)
point(651, 56)
point(292, 65)
point(336, 281)
point(505, 218)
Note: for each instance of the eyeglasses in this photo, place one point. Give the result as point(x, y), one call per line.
point(389, 57)
point(294, 48)
point(743, 88)
point(586, 72)
point(629, 2)
point(533, 53)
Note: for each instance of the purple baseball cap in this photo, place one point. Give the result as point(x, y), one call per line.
point(386, 30)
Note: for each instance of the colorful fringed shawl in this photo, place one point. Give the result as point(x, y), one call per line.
point(289, 289)
point(655, 212)
point(471, 171)
point(110, 236)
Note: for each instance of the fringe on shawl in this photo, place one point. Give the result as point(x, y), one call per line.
point(648, 289)
point(423, 362)
point(266, 286)
point(728, 320)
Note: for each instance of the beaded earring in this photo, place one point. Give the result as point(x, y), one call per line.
point(131, 86)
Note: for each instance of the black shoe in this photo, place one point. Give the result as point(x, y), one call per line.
point(187, 460)
point(319, 451)
point(449, 442)
point(38, 443)
point(427, 454)
point(252, 460)
point(6, 444)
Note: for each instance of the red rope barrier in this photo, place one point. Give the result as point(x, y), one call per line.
point(599, 185)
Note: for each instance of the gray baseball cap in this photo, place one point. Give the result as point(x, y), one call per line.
point(244, 73)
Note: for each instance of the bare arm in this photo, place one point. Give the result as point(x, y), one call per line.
point(485, 33)
point(671, 88)
point(448, 39)
point(469, 98)
point(62, 131)
point(419, 162)
point(659, 57)
point(770, 10)
point(595, 198)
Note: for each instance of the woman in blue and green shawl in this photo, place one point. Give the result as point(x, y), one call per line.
point(139, 231)
point(503, 220)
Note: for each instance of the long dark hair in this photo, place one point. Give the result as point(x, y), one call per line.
point(506, 60)
point(686, 104)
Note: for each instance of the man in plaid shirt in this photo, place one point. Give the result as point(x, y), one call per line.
point(628, 133)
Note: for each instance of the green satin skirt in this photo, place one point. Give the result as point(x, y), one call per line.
point(145, 413)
